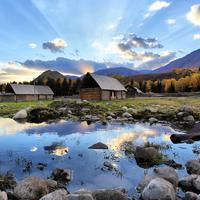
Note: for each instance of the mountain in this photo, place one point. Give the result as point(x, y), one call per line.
point(117, 71)
point(189, 61)
point(72, 77)
point(49, 74)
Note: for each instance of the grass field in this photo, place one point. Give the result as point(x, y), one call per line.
point(141, 102)
point(8, 109)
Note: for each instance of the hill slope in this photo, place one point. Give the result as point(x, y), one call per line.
point(49, 74)
point(117, 71)
point(188, 61)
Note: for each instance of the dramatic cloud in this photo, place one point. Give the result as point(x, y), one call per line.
point(32, 45)
point(171, 21)
point(196, 36)
point(159, 61)
point(158, 5)
point(194, 15)
point(56, 45)
point(13, 71)
point(132, 41)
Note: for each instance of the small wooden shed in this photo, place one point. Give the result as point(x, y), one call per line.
point(98, 87)
point(133, 91)
point(31, 92)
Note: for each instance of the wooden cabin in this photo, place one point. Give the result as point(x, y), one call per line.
point(133, 91)
point(98, 87)
point(31, 92)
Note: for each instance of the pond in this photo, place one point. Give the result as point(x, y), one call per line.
point(22, 142)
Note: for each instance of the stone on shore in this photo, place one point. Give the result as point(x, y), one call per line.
point(31, 188)
point(20, 115)
point(193, 167)
point(56, 195)
point(3, 195)
point(159, 189)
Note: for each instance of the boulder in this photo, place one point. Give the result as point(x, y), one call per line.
point(31, 188)
point(125, 108)
point(153, 120)
point(84, 196)
point(193, 167)
point(3, 196)
point(109, 194)
point(168, 174)
point(20, 115)
point(190, 196)
point(126, 115)
point(190, 119)
point(132, 111)
point(159, 189)
point(98, 145)
point(190, 183)
point(185, 109)
point(147, 156)
point(56, 195)
point(61, 175)
point(180, 138)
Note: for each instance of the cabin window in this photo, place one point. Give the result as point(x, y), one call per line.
point(113, 94)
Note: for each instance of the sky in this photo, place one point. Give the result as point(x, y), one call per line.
point(77, 36)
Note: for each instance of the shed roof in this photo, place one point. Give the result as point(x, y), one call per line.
point(31, 89)
point(108, 83)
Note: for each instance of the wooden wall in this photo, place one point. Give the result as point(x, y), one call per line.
point(6, 98)
point(90, 94)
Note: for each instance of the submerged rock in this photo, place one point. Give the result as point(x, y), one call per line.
point(31, 188)
point(159, 189)
point(56, 195)
point(98, 145)
point(147, 156)
point(61, 175)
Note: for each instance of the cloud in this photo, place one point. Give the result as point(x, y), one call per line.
point(13, 71)
point(158, 5)
point(196, 36)
point(133, 41)
point(194, 15)
point(159, 61)
point(56, 45)
point(97, 45)
point(32, 45)
point(171, 21)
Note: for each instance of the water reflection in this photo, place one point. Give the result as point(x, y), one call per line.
point(64, 144)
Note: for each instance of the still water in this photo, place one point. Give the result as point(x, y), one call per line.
point(27, 142)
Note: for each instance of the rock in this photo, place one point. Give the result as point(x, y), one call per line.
point(190, 196)
point(189, 119)
point(61, 175)
point(193, 167)
point(111, 114)
point(31, 188)
point(129, 148)
point(56, 195)
point(84, 196)
point(109, 117)
point(147, 156)
point(153, 120)
point(41, 166)
point(151, 110)
point(185, 109)
point(20, 115)
point(109, 166)
point(173, 164)
point(3, 196)
point(124, 108)
point(98, 145)
point(196, 183)
point(52, 185)
point(91, 118)
point(109, 194)
point(126, 115)
point(159, 189)
point(180, 138)
point(187, 183)
point(132, 111)
point(168, 174)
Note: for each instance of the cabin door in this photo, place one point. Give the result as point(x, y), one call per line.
point(113, 95)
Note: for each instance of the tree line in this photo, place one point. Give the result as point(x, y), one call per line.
point(187, 83)
point(60, 87)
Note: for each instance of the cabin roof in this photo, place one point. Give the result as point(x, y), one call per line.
point(31, 89)
point(108, 83)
